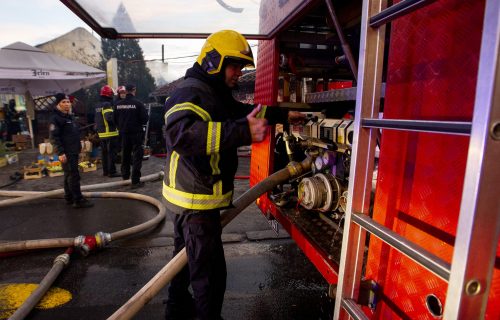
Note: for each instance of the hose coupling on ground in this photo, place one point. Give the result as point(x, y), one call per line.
point(63, 258)
point(86, 244)
point(102, 239)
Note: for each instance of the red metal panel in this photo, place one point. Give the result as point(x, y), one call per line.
point(432, 72)
point(276, 15)
point(261, 164)
point(325, 266)
point(266, 92)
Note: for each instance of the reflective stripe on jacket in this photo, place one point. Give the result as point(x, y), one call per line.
point(105, 124)
point(204, 127)
point(202, 140)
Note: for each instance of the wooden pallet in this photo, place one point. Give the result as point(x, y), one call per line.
point(32, 173)
point(93, 168)
point(55, 173)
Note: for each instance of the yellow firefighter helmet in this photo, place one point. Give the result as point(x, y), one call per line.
point(222, 45)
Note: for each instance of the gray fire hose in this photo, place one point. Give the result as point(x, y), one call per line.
point(33, 195)
point(78, 242)
point(83, 243)
point(59, 264)
point(175, 265)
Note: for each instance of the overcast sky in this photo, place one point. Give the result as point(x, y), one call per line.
point(37, 21)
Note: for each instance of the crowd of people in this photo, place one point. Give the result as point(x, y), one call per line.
point(12, 121)
point(119, 124)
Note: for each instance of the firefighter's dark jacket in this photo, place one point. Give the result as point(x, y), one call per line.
point(64, 133)
point(130, 115)
point(104, 119)
point(204, 127)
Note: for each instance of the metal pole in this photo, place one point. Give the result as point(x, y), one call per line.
point(478, 229)
point(345, 46)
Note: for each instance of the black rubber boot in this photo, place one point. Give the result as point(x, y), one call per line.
point(82, 203)
point(137, 185)
point(182, 311)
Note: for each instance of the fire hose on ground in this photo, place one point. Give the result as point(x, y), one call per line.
point(175, 265)
point(102, 238)
point(165, 275)
point(24, 196)
point(60, 263)
point(84, 243)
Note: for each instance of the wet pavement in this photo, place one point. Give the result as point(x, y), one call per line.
point(268, 278)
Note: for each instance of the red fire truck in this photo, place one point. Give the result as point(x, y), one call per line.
point(400, 212)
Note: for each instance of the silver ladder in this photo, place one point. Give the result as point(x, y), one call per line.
point(470, 273)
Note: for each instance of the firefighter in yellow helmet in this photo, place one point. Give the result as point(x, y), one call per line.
point(204, 127)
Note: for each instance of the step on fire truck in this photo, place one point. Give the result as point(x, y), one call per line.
point(400, 213)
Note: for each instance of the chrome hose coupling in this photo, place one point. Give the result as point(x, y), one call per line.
point(81, 246)
point(85, 244)
point(102, 239)
point(63, 258)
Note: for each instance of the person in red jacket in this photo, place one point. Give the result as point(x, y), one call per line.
point(204, 127)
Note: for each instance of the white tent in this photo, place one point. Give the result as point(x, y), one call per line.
point(25, 68)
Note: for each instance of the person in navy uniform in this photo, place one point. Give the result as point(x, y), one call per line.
point(65, 137)
point(130, 117)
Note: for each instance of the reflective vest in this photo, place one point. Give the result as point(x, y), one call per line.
point(204, 126)
point(105, 124)
point(202, 147)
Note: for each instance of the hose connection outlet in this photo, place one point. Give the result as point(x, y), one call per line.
point(62, 258)
point(86, 244)
point(296, 168)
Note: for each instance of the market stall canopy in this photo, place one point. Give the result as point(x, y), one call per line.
point(25, 68)
point(255, 19)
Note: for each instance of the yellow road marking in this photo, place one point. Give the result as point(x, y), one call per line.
point(12, 296)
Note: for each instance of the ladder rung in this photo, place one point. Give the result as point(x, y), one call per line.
point(449, 127)
point(418, 254)
point(353, 309)
point(396, 11)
